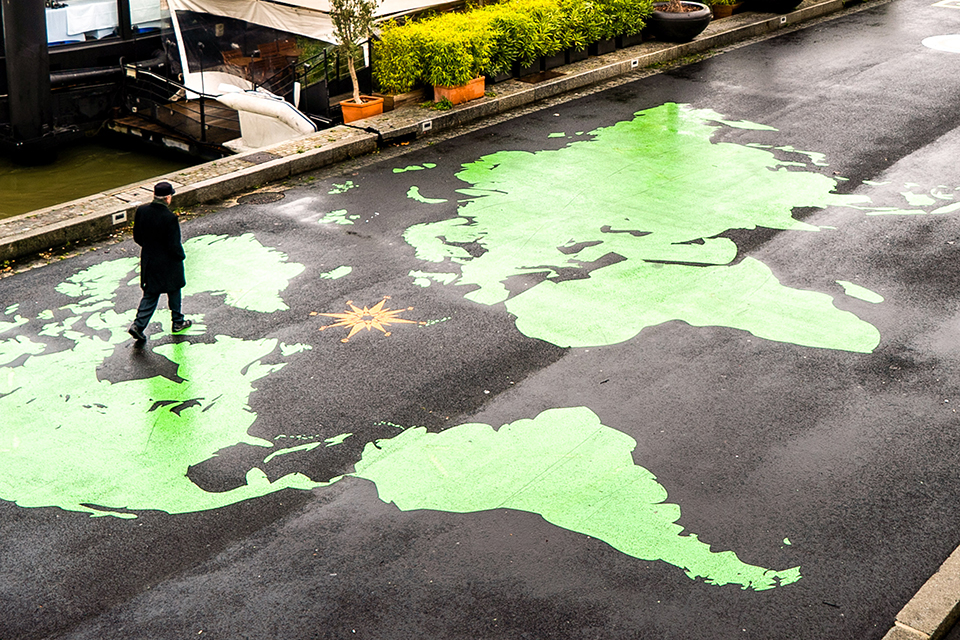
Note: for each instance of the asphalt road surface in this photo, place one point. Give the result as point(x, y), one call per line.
point(678, 359)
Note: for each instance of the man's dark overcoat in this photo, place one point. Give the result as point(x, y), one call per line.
point(157, 231)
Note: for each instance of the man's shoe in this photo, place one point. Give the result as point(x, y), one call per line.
point(137, 334)
point(180, 326)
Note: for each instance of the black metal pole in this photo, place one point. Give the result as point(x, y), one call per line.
point(123, 12)
point(28, 67)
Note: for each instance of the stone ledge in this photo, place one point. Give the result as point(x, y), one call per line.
point(935, 607)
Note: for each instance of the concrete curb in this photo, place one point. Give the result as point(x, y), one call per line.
point(99, 215)
point(934, 609)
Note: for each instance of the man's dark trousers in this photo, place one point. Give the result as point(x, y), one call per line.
point(148, 304)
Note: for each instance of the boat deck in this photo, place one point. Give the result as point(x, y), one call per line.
point(178, 125)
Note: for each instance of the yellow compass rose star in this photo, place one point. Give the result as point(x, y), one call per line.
point(375, 317)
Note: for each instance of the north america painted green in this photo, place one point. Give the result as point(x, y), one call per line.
point(77, 442)
point(563, 465)
point(591, 243)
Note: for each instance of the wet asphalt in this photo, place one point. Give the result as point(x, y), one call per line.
point(852, 457)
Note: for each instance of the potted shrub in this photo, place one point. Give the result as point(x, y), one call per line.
point(679, 20)
point(397, 64)
point(353, 24)
point(604, 33)
point(580, 29)
point(454, 57)
point(628, 17)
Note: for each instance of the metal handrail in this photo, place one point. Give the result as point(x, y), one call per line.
point(160, 91)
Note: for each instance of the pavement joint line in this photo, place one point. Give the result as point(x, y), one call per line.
point(101, 214)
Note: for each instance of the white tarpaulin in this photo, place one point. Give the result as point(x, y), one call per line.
point(309, 18)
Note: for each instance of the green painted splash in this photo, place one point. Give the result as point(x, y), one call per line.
point(950, 208)
point(7, 326)
point(917, 199)
point(340, 216)
point(564, 465)
point(336, 274)
point(620, 232)
point(861, 293)
point(426, 278)
point(415, 167)
point(337, 440)
point(83, 444)
point(336, 189)
point(281, 452)
point(414, 194)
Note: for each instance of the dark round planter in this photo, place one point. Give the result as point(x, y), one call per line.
point(678, 27)
point(774, 6)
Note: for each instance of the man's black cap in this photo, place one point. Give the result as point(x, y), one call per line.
point(163, 189)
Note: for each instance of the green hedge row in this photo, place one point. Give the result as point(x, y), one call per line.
point(453, 48)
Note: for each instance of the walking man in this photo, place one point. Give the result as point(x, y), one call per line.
point(156, 230)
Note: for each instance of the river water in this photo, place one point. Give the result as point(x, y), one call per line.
point(80, 170)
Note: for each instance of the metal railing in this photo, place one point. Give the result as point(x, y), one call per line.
point(327, 69)
point(169, 104)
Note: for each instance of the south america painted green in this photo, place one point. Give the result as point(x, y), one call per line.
point(564, 465)
point(624, 234)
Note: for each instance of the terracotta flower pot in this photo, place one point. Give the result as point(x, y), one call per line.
point(684, 26)
point(461, 93)
point(725, 10)
point(352, 111)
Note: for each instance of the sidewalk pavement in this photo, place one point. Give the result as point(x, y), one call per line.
point(933, 610)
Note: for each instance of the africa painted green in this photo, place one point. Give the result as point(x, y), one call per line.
point(564, 465)
point(618, 236)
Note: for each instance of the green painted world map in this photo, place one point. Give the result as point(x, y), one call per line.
point(612, 223)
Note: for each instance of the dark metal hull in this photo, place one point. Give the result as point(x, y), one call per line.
point(85, 81)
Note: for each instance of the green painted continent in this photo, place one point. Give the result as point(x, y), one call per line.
point(591, 243)
point(564, 465)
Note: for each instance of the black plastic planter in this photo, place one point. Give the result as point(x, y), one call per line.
point(631, 40)
point(576, 55)
point(527, 70)
point(669, 26)
point(501, 76)
point(603, 46)
point(554, 61)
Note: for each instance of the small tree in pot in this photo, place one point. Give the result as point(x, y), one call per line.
point(353, 24)
point(679, 20)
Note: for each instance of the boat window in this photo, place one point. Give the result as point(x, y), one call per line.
point(73, 21)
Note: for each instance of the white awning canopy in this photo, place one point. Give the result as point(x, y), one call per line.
point(310, 18)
